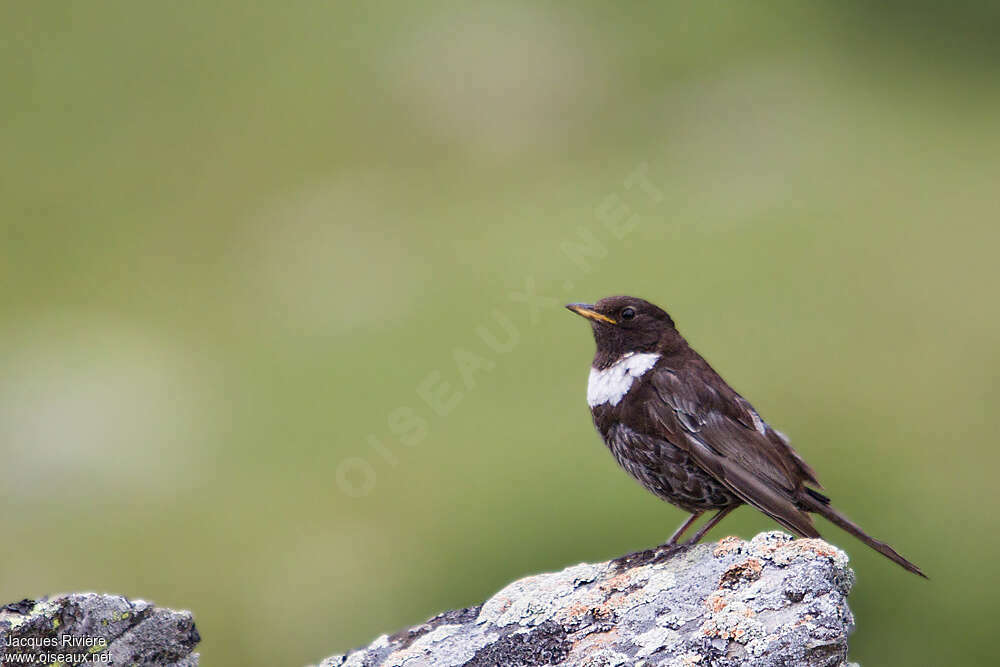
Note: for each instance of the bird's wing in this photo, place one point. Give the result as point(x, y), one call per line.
point(726, 437)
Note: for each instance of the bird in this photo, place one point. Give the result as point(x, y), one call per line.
point(684, 434)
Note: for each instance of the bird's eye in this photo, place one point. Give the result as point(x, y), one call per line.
point(628, 313)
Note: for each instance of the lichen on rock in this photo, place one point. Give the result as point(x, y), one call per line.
point(89, 628)
point(771, 601)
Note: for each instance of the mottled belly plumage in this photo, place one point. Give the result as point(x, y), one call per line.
point(667, 471)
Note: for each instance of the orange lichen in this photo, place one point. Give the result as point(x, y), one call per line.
point(615, 601)
point(818, 547)
point(588, 649)
point(716, 602)
point(748, 570)
point(617, 583)
point(576, 610)
point(727, 545)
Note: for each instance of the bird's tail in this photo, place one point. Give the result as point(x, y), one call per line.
point(817, 502)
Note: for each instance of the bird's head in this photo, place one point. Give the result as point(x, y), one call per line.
point(624, 324)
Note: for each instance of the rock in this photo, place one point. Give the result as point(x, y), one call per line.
point(108, 629)
point(772, 601)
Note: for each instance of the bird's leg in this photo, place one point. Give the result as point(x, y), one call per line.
point(680, 531)
point(711, 524)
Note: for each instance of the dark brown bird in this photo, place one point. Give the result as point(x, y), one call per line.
point(675, 425)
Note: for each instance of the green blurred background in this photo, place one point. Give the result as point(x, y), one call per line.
point(236, 241)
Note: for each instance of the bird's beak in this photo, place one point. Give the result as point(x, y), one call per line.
point(587, 310)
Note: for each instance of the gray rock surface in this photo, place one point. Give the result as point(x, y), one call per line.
point(772, 601)
point(87, 628)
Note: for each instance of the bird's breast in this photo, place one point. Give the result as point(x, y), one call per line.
point(607, 386)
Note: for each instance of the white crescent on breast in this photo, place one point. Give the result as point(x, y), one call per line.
point(609, 385)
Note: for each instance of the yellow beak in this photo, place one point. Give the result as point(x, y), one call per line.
point(587, 310)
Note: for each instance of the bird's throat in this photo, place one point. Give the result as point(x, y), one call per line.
point(609, 385)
